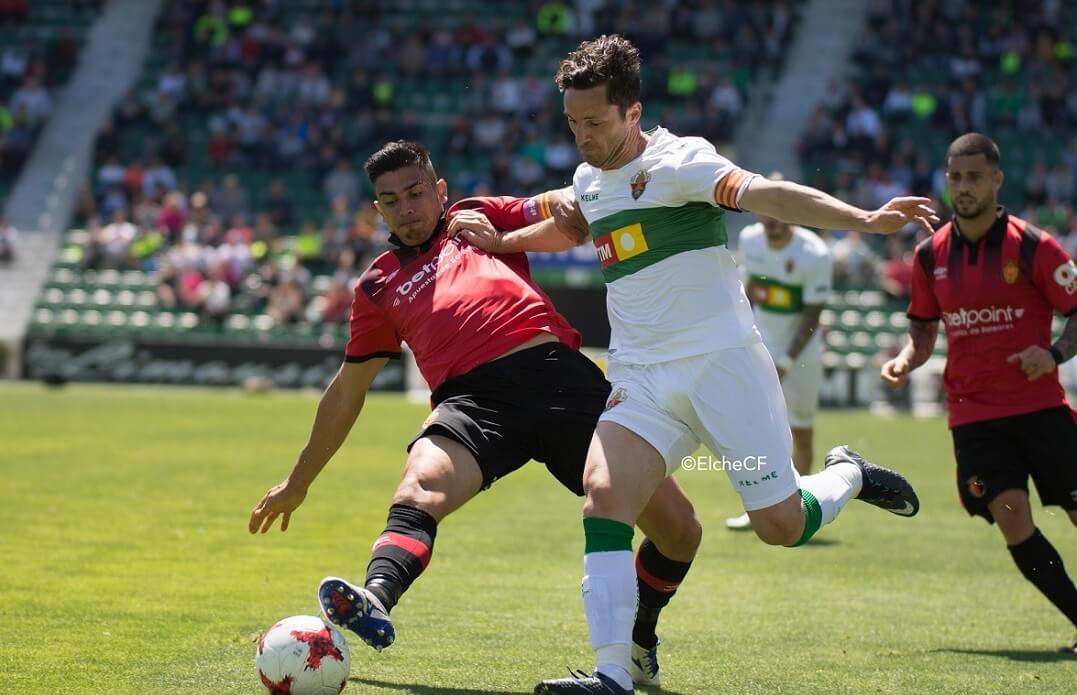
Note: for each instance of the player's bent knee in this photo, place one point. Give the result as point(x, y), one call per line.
point(1012, 513)
point(413, 493)
point(689, 535)
point(677, 536)
point(686, 531)
point(778, 534)
point(781, 524)
point(600, 502)
point(778, 529)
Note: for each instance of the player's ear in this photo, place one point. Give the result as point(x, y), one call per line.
point(377, 206)
point(634, 113)
point(443, 191)
point(998, 180)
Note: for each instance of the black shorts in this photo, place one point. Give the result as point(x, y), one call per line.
point(541, 403)
point(1001, 454)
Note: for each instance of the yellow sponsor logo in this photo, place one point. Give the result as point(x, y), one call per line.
point(628, 241)
point(780, 297)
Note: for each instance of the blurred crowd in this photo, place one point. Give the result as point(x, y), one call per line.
point(29, 73)
point(305, 101)
point(1009, 69)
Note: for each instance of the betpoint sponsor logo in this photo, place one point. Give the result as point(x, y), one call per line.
point(982, 318)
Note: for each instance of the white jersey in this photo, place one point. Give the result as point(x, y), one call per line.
point(673, 288)
point(781, 282)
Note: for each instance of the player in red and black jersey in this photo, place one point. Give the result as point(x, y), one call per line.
point(509, 385)
point(995, 282)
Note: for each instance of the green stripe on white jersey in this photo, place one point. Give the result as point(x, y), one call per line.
point(630, 240)
point(782, 281)
point(673, 289)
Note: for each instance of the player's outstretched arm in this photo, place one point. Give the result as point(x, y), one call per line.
point(564, 229)
point(918, 349)
point(796, 204)
point(337, 410)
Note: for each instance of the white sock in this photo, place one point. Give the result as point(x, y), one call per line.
point(833, 487)
point(609, 598)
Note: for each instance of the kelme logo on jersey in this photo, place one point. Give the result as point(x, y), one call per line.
point(1010, 272)
point(639, 183)
point(620, 245)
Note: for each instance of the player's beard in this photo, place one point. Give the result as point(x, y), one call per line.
point(615, 153)
point(592, 158)
point(972, 214)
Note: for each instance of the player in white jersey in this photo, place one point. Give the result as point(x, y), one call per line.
point(787, 271)
point(686, 361)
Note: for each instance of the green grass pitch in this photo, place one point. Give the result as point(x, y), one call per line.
point(126, 565)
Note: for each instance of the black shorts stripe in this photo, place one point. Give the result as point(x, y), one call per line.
point(370, 356)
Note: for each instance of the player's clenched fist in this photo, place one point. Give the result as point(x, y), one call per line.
point(895, 373)
point(476, 228)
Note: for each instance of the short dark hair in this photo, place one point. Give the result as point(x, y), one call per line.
point(972, 144)
point(609, 60)
point(397, 155)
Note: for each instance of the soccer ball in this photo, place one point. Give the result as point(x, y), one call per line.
point(303, 655)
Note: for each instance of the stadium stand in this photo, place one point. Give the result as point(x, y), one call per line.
point(926, 72)
point(41, 41)
point(228, 206)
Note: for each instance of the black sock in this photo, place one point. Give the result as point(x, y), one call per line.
point(400, 553)
point(658, 578)
point(1040, 563)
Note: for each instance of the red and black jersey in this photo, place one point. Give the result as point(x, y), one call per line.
point(996, 297)
point(456, 305)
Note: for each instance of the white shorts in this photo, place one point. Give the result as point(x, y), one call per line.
point(801, 386)
point(730, 400)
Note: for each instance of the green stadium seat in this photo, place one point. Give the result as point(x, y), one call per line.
point(876, 321)
point(863, 342)
point(855, 361)
point(101, 298)
point(850, 318)
point(837, 341)
point(886, 341)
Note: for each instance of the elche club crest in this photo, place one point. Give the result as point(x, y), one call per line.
point(639, 183)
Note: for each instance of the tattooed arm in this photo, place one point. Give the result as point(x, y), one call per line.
point(922, 336)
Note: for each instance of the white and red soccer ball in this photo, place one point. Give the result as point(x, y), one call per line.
point(303, 655)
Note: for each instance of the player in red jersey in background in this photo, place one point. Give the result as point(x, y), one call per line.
point(509, 385)
point(995, 281)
